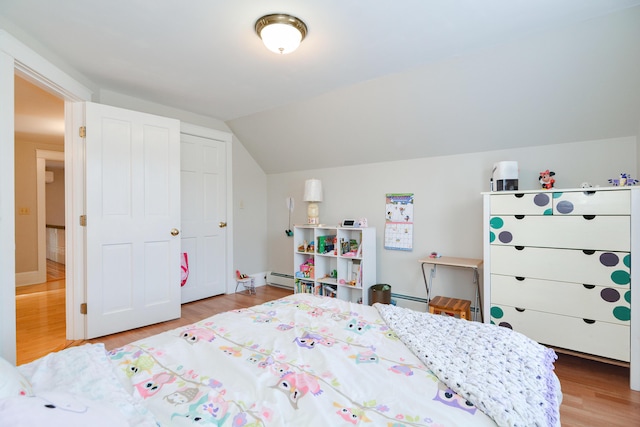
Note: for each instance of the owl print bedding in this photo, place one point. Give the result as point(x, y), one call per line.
point(301, 361)
point(298, 361)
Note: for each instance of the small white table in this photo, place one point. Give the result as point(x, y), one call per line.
point(472, 263)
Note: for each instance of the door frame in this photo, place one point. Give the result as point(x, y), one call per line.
point(17, 58)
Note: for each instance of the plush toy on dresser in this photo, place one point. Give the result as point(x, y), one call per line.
point(546, 179)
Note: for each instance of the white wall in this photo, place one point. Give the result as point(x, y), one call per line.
point(249, 213)
point(448, 203)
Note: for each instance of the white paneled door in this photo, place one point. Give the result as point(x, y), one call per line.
point(203, 193)
point(133, 219)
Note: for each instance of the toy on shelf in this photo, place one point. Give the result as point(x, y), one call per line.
point(306, 269)
point(306, 247)
point(546, 179)
point(624, 180)
point(241, 276)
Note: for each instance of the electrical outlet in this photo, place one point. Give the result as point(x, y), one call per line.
point(24, 211)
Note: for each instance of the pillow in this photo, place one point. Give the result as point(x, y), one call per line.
point(12, 383)
point(86, 371)
point(55, 409)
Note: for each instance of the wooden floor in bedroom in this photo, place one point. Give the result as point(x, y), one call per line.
point(594, 393)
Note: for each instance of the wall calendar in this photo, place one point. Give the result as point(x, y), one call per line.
point(398, 231)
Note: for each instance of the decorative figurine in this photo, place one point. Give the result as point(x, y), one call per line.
point(546, 179)
point(624, 179)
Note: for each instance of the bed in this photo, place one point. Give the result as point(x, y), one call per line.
point(302, 360)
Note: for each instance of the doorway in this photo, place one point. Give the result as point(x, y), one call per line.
point(39, 228)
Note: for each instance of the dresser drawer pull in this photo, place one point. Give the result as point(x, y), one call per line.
point(519, 248)
point(588, 252)
point(588, 217)
point(589, 321)
point(520, 310)
point(519, 216)
point(588, 286)
point(588, 193)
point(519, 195)
point(519, 278)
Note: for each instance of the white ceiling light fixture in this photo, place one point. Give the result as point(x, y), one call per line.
point(281, 33)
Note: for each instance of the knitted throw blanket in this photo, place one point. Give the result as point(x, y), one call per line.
point(503, 373)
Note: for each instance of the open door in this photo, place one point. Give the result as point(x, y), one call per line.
point(132, 219)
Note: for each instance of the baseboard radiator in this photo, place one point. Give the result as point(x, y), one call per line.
point(280, 279)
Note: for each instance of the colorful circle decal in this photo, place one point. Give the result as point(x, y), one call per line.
point(505, 325)
point(541, 199)
point(609, 259)
point(497, 312)
point(621, 277)
point(505, 237)
point(564, 207)
point(622, 313)
point(610, 295)
point(496, 222)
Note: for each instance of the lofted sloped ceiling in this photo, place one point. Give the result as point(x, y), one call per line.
point(373, 81)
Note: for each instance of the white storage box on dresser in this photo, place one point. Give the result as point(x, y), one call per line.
point(334, 261)
point(558, 269)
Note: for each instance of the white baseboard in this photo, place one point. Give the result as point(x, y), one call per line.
point(30, 278)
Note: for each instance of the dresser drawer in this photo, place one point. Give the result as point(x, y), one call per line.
point(573, 232)
point(606, 304)
point(565, 265)
point(594, 337)
point(592, 203)
point(522, 204)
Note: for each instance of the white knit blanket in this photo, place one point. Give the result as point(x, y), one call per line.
point(503, 373)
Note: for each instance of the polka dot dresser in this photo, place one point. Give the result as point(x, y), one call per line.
point(558, 268)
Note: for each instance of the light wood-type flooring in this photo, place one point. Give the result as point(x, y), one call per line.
point(594, 393)
point(41, 316)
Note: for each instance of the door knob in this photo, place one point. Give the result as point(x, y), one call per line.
point(222, 224)
point(175, 231)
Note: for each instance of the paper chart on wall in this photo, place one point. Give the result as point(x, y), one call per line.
point(398, 231)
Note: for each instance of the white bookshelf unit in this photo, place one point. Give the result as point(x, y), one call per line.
point(338, 262)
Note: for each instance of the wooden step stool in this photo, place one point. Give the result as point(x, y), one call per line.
point(451, 306)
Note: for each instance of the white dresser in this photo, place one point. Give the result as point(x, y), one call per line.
point(558, 269)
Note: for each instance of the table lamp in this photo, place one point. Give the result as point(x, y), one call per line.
point(313, 194)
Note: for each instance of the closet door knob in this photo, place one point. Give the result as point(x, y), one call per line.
point(175, 231)
point(222, 224)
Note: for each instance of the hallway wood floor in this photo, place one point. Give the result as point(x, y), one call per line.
point(41, 316)
point(594, 393)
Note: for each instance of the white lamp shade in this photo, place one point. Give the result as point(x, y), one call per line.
point(281, 38)
point(313, 190)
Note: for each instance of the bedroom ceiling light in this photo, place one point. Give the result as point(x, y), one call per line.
point(281, 33)
point(313, 194)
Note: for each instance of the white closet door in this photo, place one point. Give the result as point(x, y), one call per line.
point(203, 189)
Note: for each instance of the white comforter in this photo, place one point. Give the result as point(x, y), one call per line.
point(505, 374)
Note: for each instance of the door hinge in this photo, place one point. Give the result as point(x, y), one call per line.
point(83, 308)
point(83, 220)
point(83, 131)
